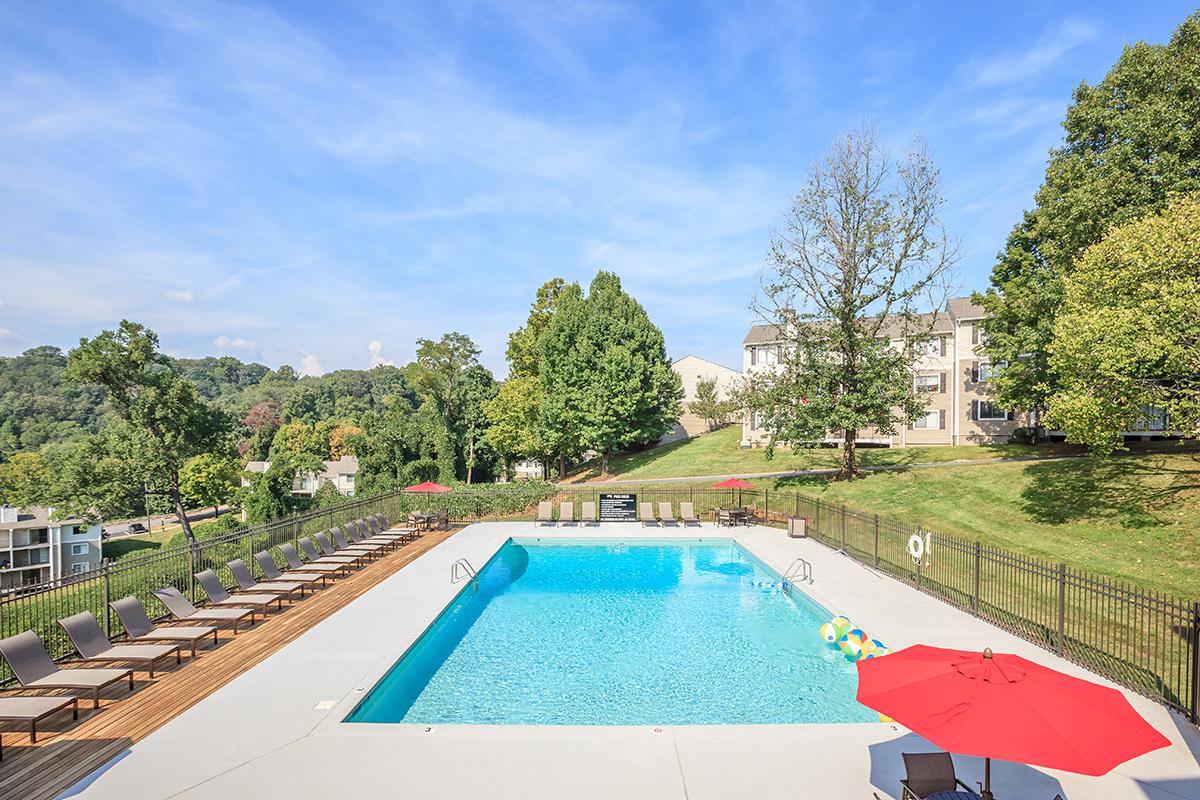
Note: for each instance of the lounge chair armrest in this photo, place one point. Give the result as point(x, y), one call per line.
point(968, 788)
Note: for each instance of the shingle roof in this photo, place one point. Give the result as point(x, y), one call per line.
point(762, 334)
point(957, 308)
point(37, 517)
point(963, 308)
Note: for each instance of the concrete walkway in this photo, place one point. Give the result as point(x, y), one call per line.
point(275, 731)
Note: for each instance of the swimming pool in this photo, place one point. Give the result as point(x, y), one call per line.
point(609, 632)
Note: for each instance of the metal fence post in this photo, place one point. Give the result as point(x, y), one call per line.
point(1062, 603)
point(978, 563)
point(1196, 662)
point(876, 541)
point(107, 610)
point(843, 527)
point(295, 531)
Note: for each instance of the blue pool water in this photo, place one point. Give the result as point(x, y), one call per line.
point(600, 632)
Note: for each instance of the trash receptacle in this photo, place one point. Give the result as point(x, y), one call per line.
point(796, 528)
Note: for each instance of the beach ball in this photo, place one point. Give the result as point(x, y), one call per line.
point(841, 625)
point(878, 652)
point(850, 644)
point(829, 633)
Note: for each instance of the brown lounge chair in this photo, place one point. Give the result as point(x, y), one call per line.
point(587, 512)
point(219, 596)
point(274, 574)
point(566, 512)
point(93, 645)
point(245, 581)
point(687, 514)
point(295, 563)
point(314, 556)
point(33, 710)
point(646, 512)
point(545, 515)
point(930, 773)
point(375, 550)
point(667, 514)
point(328, 549)
point(376, 527)
point(34, 669)
point(139, 628)
point(359, 532)
point(182, 609)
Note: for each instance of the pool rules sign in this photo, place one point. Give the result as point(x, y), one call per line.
point(618, 508)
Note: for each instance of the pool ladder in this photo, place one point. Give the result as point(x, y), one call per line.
point(800, 571)
point(462, 570)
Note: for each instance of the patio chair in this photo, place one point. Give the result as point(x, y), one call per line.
point(687, 514)
point(181, 608)
point(360, 531)
point(545, 515)
point(246, 582)
point(377, 525)
point(587, 512)
point(273, 573)
point(667, 514)
point(930, 773)
point(566, 512)
point(139, 628)
point(34, 669)
point(328, 549)
point(93, 645)
point(33, 710)
point(218, 595)
point(315, 561)
point(343, 545)
point(443, 519)
point(646, 512)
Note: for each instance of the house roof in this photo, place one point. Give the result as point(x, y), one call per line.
point(36, 517)
point(341, 466)
point(958, 308)
point(679, 361)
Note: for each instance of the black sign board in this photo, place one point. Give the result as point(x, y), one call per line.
point(618, 508)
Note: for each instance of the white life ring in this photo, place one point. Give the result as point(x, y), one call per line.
point(916, 547)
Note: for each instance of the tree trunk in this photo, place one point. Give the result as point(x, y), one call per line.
point(470, 459)
point(562, 466)
point(849, 456)
point(180, 513)
point(604, 462)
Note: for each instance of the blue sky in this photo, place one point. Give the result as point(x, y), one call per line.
point(321, 184)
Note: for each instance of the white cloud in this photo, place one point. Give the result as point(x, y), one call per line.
point(1016, 66)
point(310, 365)
point(375, 348)
point(186, 296)
point(5, 333)
point(237, 343)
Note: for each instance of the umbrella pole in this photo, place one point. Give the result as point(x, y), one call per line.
point(987, 779)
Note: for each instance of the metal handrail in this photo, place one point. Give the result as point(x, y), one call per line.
point(462, 570)
point(800, 571)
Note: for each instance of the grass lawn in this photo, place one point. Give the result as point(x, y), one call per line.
point(140, 545)
point(717, 453)
point(1131, 517)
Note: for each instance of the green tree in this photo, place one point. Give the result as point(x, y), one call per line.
point(474, 391)
point(710, 406)
point(631, 396)
point(390, 439)
point(1127, 339)
point(294, 439)
point(524, 352)
point(862, 253)
point(439, 372)
point(23, 480)
point(564, 379)
point(1130, 141)
point(209, 479)
point(166, 421)
point(512, 415)
point(269, 495)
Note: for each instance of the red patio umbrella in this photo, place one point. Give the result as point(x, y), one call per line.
point(428, 486)
point(1005, 707)
point(733, 483)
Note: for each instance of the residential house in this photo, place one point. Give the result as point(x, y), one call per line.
point(341, 473)
point(35, 547)
point(691, 371)
point(952, 368)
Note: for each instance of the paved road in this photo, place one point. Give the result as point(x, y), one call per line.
point(962, 462)
point(117, 530)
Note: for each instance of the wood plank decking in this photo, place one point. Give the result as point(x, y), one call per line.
point(67, 752)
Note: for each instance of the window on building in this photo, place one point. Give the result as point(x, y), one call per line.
point(756, 421)
point(988, 411)
point(79, 568)
point(932, 420)
point(1153, 418)
point(349, 480)
point(981, 335)
point(78, 529)
point(79, 549)
point(984, 372)
point(927, 383)
point(930, 347)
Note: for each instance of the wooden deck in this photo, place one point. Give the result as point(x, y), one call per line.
point(67, 751)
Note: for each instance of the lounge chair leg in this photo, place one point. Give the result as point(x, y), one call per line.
point(178, 655)
point(131, 680)
point(33, 731)
point(95, 699)
point(149, 674)
point(75, 708)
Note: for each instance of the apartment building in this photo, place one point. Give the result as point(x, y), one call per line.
point(691, 371)
point(341, 473)
point(953, 369)
point(35, 547)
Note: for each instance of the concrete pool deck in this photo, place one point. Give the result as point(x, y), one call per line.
point(275, 731)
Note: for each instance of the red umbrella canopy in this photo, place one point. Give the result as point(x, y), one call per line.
point(733, 483)
point(1006, 707)
point(428, 486)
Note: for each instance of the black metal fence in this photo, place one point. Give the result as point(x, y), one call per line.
point(1139, 638)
